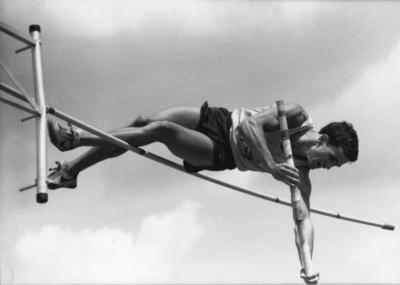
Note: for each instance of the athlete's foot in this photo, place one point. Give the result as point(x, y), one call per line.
point(64, 138)
point(59, 177)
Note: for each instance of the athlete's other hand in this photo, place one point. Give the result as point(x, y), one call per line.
point(286, 173)
point(311, 279)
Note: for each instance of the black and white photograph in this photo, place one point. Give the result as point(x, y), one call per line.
point(199, 142)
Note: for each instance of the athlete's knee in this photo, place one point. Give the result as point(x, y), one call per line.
point(140, 121)
point(114, 151)
point(163, 130)
point(300, 214)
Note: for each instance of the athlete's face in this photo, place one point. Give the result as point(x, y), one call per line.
point(324, 155)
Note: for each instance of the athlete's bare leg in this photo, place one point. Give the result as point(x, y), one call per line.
point(173, 127)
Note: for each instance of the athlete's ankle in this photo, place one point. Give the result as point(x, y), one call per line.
point(71, 173)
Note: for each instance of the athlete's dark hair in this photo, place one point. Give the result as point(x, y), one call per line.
point(342, 134)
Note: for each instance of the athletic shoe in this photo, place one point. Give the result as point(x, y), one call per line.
point(64, 138)
point(59, 177)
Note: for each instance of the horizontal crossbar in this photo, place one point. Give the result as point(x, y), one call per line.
point(179, 167)
point(123, 144)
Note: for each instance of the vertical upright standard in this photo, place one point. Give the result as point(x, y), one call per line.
point(41, 163)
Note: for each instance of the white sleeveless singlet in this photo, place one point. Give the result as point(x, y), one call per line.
point(242, 154)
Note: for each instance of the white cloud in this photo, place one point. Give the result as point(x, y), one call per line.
point(61, 255)
point(297, 12)
point(373, 248)
point(104, 17)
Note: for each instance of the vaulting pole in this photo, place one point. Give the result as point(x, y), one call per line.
point(298, 205)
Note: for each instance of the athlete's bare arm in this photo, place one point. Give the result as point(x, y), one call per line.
point(304, 227)
point(252, 130)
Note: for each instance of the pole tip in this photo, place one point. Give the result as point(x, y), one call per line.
point(280, 108)
point(388, 227)
point(34, 28)
point(41, 198)
point(279, 104)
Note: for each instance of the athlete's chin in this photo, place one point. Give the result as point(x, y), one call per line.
point(314, 164)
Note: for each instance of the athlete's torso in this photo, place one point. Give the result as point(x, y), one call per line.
point(243, 155)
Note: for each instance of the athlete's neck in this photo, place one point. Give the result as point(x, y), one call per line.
point(303, 144)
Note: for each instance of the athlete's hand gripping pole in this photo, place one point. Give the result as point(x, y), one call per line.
point(296, 199)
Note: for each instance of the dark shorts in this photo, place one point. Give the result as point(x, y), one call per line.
point(215, 123)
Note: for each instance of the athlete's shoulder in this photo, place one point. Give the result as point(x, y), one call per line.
point(296, 114)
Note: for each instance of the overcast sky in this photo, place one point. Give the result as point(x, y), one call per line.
point(132, 220)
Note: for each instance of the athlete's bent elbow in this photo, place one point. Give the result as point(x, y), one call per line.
point(300, 213)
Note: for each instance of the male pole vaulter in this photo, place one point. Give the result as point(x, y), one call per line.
point(210, 138)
